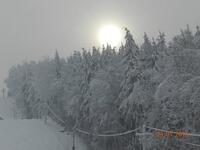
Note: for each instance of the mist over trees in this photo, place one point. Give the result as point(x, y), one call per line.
point(111, 90)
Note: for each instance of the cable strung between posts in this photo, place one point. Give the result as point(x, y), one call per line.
point(126, 132)
point(191, 144)
point(63, 122)
point(87, 133)
point(109, 135)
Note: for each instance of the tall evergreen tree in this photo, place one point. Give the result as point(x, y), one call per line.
point(130, 62)
point(132, 75)
point(56, 100)
point(148, 53)
point(57, 64)
point(197, 38)
point(28, 93)
point(161, 44)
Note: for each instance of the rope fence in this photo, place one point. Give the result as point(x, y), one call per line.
point(126, 132)
point(54, 114)
point(195, 145)
point(109, 135)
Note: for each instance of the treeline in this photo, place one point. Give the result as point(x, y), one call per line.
point(109, 91)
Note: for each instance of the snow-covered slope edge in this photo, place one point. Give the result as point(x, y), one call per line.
point(34, 135)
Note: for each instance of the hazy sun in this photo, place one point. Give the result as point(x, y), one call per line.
point(110, 34)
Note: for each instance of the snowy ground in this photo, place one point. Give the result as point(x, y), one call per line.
point(32, 134)
point(7, 109)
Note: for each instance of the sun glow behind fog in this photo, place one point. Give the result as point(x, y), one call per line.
point(110, 34)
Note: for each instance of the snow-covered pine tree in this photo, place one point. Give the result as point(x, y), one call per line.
point(95, 59)
point(57, 65)
point(91, 64)
point(107, 56)
point(44, 80)
point(130, 63)
point(161, 44)
point(155, 54)
point(86, 79)
point(185, 40)
point(188, 38)
point(197, 38)
point(147, 53)
point(57, 99)
point(162, 55)
point(131, 76)
point(121, 50)
point(29, 93)
point(72, 78)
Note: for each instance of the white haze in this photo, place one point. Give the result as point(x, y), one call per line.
point(30, 29)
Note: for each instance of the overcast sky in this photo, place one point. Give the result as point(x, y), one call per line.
point(30, 29)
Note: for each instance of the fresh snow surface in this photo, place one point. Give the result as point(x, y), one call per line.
point(7, 109)
point(18, 134)
point(34, 135)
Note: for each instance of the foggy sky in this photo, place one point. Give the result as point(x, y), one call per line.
point(30, 29)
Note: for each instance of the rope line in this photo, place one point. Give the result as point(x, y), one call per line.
point(87, 133)
point(109, 135)
point(58, 118)
point(126, 132)
point(197, 145)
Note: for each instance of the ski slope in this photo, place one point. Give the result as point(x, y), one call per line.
point(34, 135)
point(7, 109)
point(18, 134)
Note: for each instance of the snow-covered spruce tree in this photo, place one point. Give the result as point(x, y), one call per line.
point(132, 74)
point(148, 53)
point(84, 113)
point(90, 65)
point(161, 44)
point(44, 81)
point(164, 58)
point(72, 78)
point(121, 50)
point(101, 95)
point(14, 83)
point(185, 40)
point(57, 100)
point(138, 105)
point(197, 38)
point(188, 38)
point(95, 62)
point(28, 93)
point(58, 65)
point(174, 96)
point(130, 63)
point(20, 83)
point(107, 56)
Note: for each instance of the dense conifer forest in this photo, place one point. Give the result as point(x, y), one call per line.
point(111, 90)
